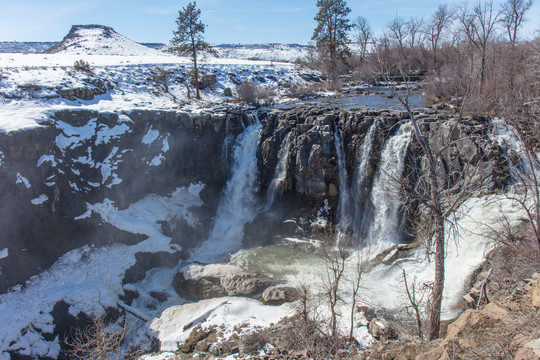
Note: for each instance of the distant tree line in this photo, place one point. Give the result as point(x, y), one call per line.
point(469, 56)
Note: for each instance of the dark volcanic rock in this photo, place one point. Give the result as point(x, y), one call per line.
point(49, 174)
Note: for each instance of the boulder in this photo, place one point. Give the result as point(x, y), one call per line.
point(381, 329)
point(275, 295)
point(197, 282)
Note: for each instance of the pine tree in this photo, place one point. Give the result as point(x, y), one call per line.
point(189, 37)
point(331, 32)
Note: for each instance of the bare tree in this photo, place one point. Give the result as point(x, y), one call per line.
point(417, 299)
point(360, 267)
point(513, 16)
point(363, 34)
point(440, 193)
point(436, 26)
point(397, 30)
point(414, 27)
point(479, 25)
point(335, 259)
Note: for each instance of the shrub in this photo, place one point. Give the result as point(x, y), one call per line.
point(98, 340)
point(160, 78)
point(304, 91)
point(248, 92)
point(81, 65)
point(266, 94)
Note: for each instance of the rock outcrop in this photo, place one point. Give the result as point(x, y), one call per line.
point(277, 295)
point(197, 282)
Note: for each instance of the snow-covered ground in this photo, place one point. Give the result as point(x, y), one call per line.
point(265, 52)
point(30, 84)
point(88, 279)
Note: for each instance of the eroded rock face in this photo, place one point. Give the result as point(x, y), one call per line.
point(469, 159)
point(198, 282)
point(80, 157)
point(49, 174)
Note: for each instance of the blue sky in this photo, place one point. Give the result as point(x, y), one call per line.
point(229, 21)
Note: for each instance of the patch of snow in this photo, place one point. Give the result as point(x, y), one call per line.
point(176, 323)
point(108, 165)
point(88, 279)
point(160, 356)
point(39, 200)
point(165, 146)
point(72, 135)
point(4, 253)
point(143, 216)
point(124, 119)
point(22, 180)
point(156, 161)
point(49, 158)
point(106, 134)
point(150, 136)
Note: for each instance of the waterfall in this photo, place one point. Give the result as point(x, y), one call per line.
point(280, 173)
point(344, 219)
point(386, 221)
point(239, 204)
point(360, 179)
point(508, 138)
point(227, 143)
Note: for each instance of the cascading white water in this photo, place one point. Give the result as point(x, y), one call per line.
point(239, 204)
point(344, 208)
point(280, 173)
point(386, 220)
point(508, 138)
point(360, 178)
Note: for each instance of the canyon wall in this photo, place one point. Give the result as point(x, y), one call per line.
point(314, 163)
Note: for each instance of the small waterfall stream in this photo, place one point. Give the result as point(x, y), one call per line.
point(229, 138)
point(345, 210)
point(360, 180)
point(280, 173)
point(239, 204)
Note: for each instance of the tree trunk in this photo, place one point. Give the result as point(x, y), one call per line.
point(196, 74)
point(483, 67)
point(438, 226)
point(438, 285)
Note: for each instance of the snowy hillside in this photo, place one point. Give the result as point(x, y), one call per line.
point(124, 75)
point(98, 40)
point(266, 52)
point(35, 85)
